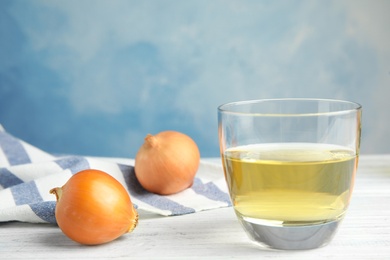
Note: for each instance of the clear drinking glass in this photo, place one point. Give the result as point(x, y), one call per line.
point(290, 166)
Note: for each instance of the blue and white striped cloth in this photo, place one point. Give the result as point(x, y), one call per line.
point(28, 173)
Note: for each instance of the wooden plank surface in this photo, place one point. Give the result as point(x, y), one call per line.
point(364, 233)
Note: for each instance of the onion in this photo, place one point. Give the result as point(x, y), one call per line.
point(167, 162)
point(94, 208)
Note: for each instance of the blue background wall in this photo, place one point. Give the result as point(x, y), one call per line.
point(94, 77)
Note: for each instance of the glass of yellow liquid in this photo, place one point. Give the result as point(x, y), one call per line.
point(290, 166)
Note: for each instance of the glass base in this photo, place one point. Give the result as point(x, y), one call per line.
point(291, 237)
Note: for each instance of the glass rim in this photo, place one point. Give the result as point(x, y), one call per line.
point(224, 107)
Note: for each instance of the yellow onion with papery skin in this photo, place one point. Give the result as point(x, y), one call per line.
point(94, 208)
point(167, 162)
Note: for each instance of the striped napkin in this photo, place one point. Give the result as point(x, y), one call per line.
point(28, 173)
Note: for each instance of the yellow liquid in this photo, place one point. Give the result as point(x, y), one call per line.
point(290, 184)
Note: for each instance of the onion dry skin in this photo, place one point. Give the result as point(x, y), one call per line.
point(167, 162)
point(94, 208)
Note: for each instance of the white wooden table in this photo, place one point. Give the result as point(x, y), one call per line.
point(364, 234)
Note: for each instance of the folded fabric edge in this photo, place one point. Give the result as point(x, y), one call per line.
point(43, 211)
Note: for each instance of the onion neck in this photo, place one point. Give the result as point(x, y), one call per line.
point(58, 192)
point(151, 141)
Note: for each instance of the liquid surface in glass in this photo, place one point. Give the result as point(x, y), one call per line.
point(290, 184)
